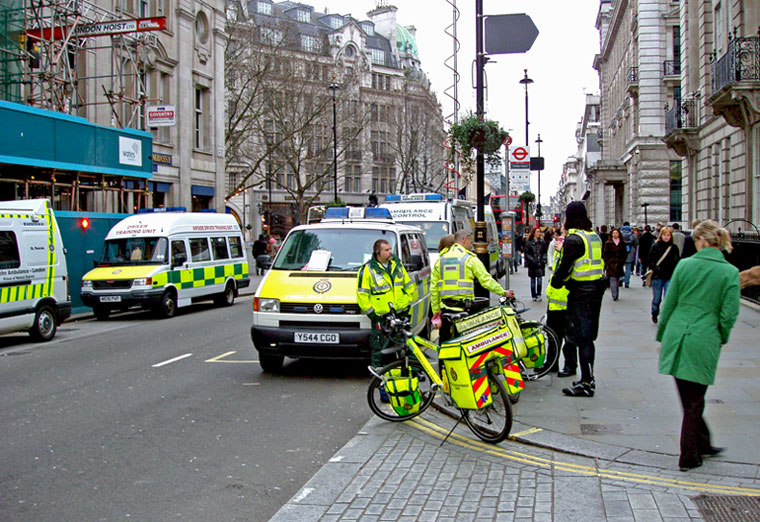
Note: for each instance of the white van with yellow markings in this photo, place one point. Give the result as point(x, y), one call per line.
point(306, 304)
point(34, 287)
point(165, 260)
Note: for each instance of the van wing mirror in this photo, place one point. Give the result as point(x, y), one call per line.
point(415, 263)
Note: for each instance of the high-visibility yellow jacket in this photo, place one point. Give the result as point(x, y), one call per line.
point(557, 297)
point(590, 266)
point(454, 276)
point(377, 287)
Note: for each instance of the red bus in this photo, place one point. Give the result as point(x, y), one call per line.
point(515, 205)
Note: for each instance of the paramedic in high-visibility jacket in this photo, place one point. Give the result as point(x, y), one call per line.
point(382, 281)
point(556, 299)
point(453, 281)
point(580, 271)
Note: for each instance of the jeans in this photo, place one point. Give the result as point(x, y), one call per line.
point(614, 286)
point(659, 290)
point(535, 286)
point(628, 270)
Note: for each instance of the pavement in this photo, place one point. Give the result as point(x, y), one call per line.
point(610, 457)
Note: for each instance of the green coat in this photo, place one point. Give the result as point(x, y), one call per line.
point(696, 319)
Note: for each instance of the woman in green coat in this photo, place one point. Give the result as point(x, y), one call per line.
point(699, 311)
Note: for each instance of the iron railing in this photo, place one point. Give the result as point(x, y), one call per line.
point(683, 115)
point(741, 62)
point(671, 67)
point(633, 75)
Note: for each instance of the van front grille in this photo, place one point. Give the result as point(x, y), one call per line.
point(308, 308)
point(320, 324)
point(112, 284)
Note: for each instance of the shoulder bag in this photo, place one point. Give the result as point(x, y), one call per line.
point(650, 272)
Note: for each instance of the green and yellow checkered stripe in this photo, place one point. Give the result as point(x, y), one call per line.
point(200, 277)
point(12, 294)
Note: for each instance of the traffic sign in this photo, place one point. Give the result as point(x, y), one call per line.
point(508, 34)
point(519, 158)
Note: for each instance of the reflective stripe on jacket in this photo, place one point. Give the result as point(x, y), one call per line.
point(590, 266)
point(454, 277)
point(557, 297)
point(378, 287)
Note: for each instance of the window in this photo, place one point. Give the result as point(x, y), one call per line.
point(9, 256)
point(236, 249)
point(201, 27)
point(675, 190)
point(336, 23)
point(264, 8)
point(369, 28)
point(310, 44)
point(219, 244)
point(201, 119)
point(271, 36)
point(179, 253)
point(378, 56)
point(199, 249)
point(302, 15)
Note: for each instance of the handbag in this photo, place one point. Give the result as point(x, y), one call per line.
point(650, 272)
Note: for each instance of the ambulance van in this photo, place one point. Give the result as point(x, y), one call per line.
point(305, 307)
point(166, 260)
point(34, 287)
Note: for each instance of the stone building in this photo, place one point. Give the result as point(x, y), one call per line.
point(713, 114)
point(114, 79)
point(637, 77)
point(388, 123)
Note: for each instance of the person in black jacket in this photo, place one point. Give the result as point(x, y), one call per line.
point(662, 261)
point(645, 245)
point(535, 260)
point(584, 301)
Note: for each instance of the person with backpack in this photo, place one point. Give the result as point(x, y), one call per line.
point(631, 246)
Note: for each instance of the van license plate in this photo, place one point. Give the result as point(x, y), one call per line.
point(319, 338)
point(110, 298)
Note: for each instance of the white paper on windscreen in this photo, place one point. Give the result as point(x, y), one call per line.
point(319, 260)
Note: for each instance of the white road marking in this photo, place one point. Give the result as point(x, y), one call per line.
point(305, 492)
point(172, 360)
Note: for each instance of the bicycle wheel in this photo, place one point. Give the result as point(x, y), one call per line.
point(377, 398)
point(492, 423)
point(553, 346)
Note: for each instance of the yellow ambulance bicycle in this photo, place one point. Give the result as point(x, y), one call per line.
point(479, 368)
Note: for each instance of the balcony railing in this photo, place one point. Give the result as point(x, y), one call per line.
point(671, 67)
point(684, 115)
point(633, 75)
point(740, 63)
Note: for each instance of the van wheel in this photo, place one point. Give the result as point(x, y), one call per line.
point(44, 325)
point(168, 306)
point(227, 298)
point(101, 313)
point(271, 363)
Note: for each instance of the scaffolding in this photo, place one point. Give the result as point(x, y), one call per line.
point(46, 63)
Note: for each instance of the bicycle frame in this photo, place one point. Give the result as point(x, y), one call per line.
point(414, 343)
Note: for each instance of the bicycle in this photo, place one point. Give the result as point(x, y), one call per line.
point(473, 380)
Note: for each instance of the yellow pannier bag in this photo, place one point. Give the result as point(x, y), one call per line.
point(403, 391)
point(535, 343)
point(464, 358)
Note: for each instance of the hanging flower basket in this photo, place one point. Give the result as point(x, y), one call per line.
point(482, 135)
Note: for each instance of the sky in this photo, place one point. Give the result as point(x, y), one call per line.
point(560, 63)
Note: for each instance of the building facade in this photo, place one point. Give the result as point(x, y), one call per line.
point(388, 126)
point(713, 119)
point(636, 171)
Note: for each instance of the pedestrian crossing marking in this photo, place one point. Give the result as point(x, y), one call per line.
point(606, 473)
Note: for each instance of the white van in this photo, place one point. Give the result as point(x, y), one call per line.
point(165, 260)
point(34, 285)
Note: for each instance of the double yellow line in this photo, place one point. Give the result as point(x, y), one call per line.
point(589, 471)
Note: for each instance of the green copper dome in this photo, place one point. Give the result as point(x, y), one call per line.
point(405, 41)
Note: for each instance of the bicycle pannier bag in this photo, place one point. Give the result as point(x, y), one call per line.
point(403, 391)
point(535, 343)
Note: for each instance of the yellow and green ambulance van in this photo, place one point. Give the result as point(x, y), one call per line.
point(166, 260)
point(305, 306)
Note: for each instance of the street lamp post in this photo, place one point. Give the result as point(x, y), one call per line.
point(334, 89)
point(526, 81)
point(539, 213)
point(645, 205)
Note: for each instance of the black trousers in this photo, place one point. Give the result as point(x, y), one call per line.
point(695, 436)
point(582, 328)
point(555, 319)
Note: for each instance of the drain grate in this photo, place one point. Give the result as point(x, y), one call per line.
point(600, 429)
point(722, 508)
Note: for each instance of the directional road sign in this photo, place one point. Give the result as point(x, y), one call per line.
point(508, 34)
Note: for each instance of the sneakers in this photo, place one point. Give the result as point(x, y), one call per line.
point(581, 389)
point(592, 384)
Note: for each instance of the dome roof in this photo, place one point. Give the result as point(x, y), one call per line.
point(405, 41)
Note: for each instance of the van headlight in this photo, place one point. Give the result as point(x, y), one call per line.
point(87, 283)
point(143, 281)
point(261, 304)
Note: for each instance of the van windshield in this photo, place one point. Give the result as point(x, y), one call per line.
point(134, 251)
point(433, 231)
point(348, 249)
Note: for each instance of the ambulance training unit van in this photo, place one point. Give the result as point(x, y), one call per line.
point(437, 216)
point(306, 304)
point(34, 288)
point(165, 260)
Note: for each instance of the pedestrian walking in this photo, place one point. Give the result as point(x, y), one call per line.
point(697, 317)
point(631, 244)
point(662, 260)
point(637, 258)
point(580, 270)
point(535, 259)
point(614, 256)
point(646, 240)
point(603, 235)
point(678, 237)
point(689, 248)
point(382, 281)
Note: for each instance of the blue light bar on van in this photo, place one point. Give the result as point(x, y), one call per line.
point(161, 209)
point(393, 197)
point(336, 213)
point(414, 197)
point(357, 213)
point(377, 213)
